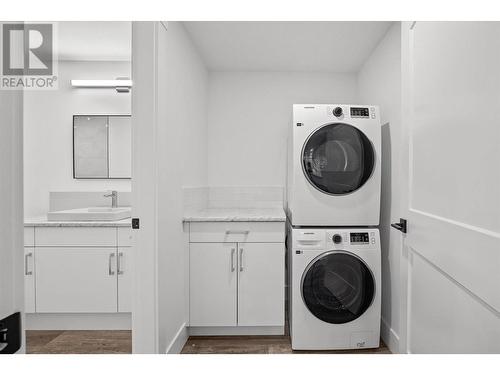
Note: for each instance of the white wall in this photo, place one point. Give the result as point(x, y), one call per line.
point(48, 131)
point(379, 82)
point(11, 205)
point(249, 115)
point(181, 158)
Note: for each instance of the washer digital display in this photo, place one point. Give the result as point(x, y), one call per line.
point(360, 237)
point(359, 112)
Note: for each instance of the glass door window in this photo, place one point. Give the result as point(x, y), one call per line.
point(338, 287)
point(338, 159)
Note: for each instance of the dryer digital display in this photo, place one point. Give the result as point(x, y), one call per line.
point(359, 112)
point(360, 237)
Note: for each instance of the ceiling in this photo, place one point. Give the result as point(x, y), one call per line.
point(94, 41)
point(335, 46)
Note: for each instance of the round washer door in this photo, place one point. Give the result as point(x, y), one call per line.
point(337, 287)
point(338, 159)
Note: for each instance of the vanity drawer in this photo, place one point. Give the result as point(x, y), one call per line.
point(29, 236)
point(124, 237)
point(237, 232)
point(75, 236)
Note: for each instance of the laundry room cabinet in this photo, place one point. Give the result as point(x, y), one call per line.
point(213, 284)
point(237, 275)
point(261, 284)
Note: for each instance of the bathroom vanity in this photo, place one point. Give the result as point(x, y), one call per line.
point(78, 274)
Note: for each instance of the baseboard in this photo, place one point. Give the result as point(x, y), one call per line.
point(237, 331)
point(178, 341)
point(78, 321)
point(389, 336)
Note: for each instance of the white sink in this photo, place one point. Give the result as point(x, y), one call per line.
point(91, 214)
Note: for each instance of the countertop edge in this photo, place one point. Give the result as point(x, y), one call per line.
point(235, 219)
point(43, 222)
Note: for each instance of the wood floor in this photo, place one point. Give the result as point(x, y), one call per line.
point(78, 342)
point(120, 342)
point(258, 345)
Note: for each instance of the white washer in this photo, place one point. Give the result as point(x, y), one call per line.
point(334, 290)
point(333, 173)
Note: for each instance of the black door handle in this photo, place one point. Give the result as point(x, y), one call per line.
point(401, 226)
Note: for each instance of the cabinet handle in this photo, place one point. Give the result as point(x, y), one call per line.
point(119, 270)
point(237, 231)
point(233, 250)
point(27, 272)
point(241, 259)
point(110, 266)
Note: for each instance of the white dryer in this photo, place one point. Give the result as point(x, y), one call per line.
point(333, 172)
point(334, 291)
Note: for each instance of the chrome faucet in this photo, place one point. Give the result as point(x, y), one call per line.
point(114, 198)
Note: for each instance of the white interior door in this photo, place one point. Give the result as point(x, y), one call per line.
point(451, 259)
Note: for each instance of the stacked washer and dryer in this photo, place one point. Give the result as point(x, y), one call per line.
point(333, 208)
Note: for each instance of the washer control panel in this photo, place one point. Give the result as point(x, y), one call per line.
point(360, 112)
point(337, 239)
point(359, 237)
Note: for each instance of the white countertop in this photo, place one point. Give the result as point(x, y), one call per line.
point(43, 222)
point(236, 214)
point(208, 214)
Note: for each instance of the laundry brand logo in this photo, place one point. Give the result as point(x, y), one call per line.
point(28, 58)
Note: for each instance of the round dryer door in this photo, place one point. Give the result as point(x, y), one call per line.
point(337, 287)
point(338, 159)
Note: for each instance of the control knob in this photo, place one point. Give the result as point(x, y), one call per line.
point(337, 238)
point(337, 112)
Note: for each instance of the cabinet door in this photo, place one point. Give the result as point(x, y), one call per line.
point(124, 271)
point(29, 279)
point(213, 278)
point(76, 279)
point(261, 285)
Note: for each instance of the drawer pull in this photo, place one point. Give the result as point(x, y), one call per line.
point(237, 231)
point(27, 272)
point(110, 266)
point(309, 242)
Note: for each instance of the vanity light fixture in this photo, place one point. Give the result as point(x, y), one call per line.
point(120, 84)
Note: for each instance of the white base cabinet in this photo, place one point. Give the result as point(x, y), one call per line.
point(124, 272)
point(237, 284)
point(261, 289)
point(213, 284)
point(72, 270)
point(29, 279)
point(81, 279)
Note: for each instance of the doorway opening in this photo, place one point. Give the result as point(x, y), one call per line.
point(77, 195)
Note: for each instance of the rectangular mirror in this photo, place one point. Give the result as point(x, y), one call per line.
point(102, 146)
